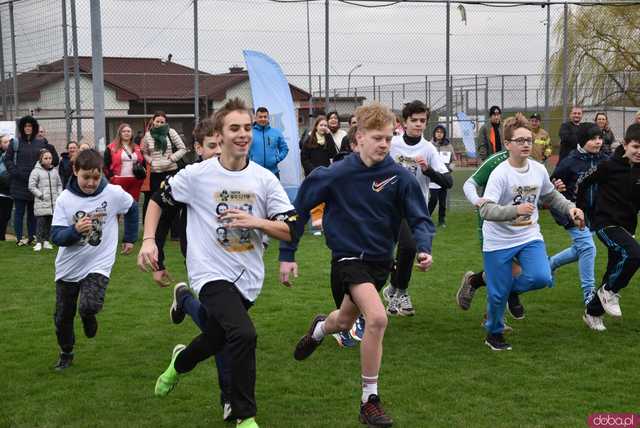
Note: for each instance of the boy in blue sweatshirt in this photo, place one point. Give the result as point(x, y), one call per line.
point(579, 162)
point(366, 195)
point(85, 227)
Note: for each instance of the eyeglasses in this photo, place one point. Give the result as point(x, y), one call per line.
point(523, 141)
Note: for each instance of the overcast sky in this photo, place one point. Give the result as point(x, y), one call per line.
point(403, 39)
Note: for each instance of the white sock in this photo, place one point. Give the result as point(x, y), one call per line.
point(369, 387)
point(318, 332)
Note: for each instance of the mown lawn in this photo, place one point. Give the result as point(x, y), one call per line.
point(436, 370)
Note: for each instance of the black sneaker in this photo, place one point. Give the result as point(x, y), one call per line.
point(64, 361)
point(90, 326)
point(307, 344)
point(515, 307)
point(496, 342)
point(176, 313)
point(372, 414)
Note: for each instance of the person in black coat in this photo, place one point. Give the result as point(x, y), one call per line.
point(569, 132)
point(21, 158)
point(65, 169)
point(319, 149)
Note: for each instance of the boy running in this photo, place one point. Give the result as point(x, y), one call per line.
point(85, 227)
point(510, 229)
point(366, 195)
point(579, 162)
point(159, 218)
point(614, 217)
point(231, 203)
point(420, 157)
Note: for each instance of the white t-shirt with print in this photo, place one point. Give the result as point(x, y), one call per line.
point(96, 252)
point(405, 155)
point(510, 186)
point(215, 252)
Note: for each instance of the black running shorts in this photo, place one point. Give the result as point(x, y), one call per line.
point(346, 273)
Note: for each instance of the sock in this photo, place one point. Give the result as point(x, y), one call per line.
point(318, 332)
point(477, 280)
point(400, 291)
point(369, 387)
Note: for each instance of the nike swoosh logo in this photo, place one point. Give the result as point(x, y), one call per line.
point(377, 186)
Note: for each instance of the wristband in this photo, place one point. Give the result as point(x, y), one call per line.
point(149, 237)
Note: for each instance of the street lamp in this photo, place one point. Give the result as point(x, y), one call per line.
point(349, 77)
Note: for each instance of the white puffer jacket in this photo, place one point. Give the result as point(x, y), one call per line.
point(46, 185)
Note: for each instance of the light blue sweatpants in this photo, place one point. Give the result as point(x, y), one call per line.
point(582, 250)
point(536, 274)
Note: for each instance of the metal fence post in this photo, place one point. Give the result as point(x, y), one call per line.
point(565, 59)
point(525, 92)
point(326, 55)
point(13, 59)
point(2, 75)
point(546, 63)
point(65, 65)
point(97, 76)
point(76, 70)
point(196, 73)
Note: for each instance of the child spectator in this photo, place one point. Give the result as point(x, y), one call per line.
point(46, 186)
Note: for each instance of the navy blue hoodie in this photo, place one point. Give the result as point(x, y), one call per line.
point(571, 169)
point(364, 208)
point(64, 236)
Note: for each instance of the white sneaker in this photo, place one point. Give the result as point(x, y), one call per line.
point(317, 233)
point(610, 302)
point(594, 323)
point(47, 245)
point(37, 247)
point(226, 411)
point(405, 307)
point(387, 294)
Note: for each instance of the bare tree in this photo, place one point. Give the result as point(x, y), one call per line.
point(604, 55)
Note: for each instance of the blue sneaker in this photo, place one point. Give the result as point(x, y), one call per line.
point(345, 340)
point(357, 331)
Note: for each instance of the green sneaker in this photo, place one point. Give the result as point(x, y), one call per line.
point(169, 379)
point(247, 423)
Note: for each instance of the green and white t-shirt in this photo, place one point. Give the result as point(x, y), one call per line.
point(215, 251)
point(480, 177)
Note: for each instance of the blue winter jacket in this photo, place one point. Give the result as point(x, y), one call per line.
point(570, 169)
point(364, 209)
point(269, 147)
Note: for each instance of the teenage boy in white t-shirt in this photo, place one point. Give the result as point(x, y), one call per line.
point(420, 157)
point(231, 204)
point(510, 229)
point(85, 227)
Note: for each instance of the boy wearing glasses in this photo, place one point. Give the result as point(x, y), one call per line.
point(510, 229)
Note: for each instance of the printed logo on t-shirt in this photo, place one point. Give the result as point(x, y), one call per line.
point(408, 162)
point(98, 217)
point(379, 185)
point(233, 240)
point(523, 195)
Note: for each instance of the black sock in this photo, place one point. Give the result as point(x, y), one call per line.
point(476, 280)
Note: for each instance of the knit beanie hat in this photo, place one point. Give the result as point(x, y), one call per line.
point(588, 131)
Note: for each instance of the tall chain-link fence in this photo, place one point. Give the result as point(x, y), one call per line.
point(492, 53)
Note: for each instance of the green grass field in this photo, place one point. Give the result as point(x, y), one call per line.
point(436, 371)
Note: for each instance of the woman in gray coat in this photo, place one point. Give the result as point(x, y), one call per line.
point(45, 185)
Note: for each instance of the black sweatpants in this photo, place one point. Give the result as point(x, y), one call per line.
point(6, 205)
point(438, 197)
point(405, 255)
point(623, 262)
point(91, 291)
point(228, 326)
